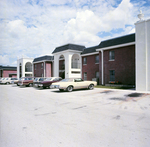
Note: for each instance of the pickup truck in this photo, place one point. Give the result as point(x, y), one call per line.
point(26, 81)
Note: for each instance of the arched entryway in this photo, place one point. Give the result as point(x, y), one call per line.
point(20, 70)
point(28, 67)
point(75, 61)
point(62, 66)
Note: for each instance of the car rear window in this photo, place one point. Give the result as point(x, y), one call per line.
point(67, 80)
point(48, 79)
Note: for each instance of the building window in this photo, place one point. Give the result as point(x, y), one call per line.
point(97, 59)
point(75, 72)
point(42, 66)
point(111, 55)
point(112, 75)
point(97, 74)
point(85, 76)
point(84, 60)
point(35, 66)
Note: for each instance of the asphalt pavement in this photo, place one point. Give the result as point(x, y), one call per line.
point(83, 118)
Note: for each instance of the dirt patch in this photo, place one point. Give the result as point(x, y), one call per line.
point(118, 99)
point(135, 95)
point(106, 91)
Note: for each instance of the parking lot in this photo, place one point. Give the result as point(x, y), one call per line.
point(83, 118)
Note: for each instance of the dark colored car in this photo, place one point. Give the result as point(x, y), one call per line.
point(48, 81)
point(26, 81)
point(37, 81)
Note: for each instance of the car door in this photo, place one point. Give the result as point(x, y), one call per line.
point(79, 84)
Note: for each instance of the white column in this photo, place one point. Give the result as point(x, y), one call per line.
point(142, 55)
point(102, 67)
point(56, 65)
point(18, 68)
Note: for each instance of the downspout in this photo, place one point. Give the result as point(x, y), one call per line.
point(102, 67)
point(32, 69)
point(146, 56)
point(44, 69)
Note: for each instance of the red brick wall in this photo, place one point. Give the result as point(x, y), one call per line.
point(48, 70)
point(38, 71)
point(124, 65)
point(91, 68)
point(7, 72)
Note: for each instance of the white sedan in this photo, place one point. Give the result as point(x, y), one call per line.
point(73, 83)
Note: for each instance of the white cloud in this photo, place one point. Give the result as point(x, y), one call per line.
point(33, 28)
point(4, 60)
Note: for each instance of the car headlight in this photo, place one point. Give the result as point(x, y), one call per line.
point(41, 85)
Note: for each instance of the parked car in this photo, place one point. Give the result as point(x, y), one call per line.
point(5, 80)
point(48, 81)
point(26, 81)
point(73, 83)
point(37, 81)
point(13, 80)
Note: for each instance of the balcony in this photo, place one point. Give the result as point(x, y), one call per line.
point(75, 65)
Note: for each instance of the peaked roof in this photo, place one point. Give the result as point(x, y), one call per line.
point(69, 46)
point(118, 41)
point(90, 50)
point(110, 43)
point(8, 67)
point(47, 58)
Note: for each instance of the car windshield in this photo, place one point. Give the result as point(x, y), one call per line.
point(67, 80)
point(36, 79)
point(48, 79)
point(41, 79)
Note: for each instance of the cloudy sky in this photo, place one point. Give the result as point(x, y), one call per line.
point(32, 28)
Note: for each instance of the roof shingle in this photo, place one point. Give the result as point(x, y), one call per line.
point(118, 41)
point(47, 58)
point(69, 46)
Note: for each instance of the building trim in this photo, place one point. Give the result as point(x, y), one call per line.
point(42, 61)
point(89, 54)
point(116, 46)
point(68, 50)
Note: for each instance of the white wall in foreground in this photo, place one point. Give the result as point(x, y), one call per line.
point(143, 55)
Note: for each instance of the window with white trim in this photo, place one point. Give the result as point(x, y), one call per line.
point(97, 59)
point(84, 60)
point(41, 65)
point(112, 75)
point(85, 76)
point(111, 55)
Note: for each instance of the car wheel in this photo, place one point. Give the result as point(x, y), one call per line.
point(30, 85)
point(91, 86)
point(7, 83)
point(69, 88)
point(61, 90)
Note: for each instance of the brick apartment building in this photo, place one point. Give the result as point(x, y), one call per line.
point(8, 71)
point(43, 66)
point(112, 61)
point(121, 60)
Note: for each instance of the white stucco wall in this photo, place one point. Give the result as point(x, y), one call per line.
point(23, 62)
point(68, 60)
point(143, 55)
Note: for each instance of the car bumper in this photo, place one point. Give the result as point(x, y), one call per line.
point(55, 87)
point(36, 85)
point(20, 84)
